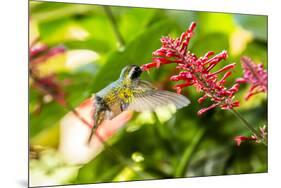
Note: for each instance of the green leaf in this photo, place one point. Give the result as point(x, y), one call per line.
point(129, 22)
point(100, 30)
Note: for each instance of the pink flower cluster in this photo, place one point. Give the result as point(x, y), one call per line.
point(196, 71)
point(255, 75)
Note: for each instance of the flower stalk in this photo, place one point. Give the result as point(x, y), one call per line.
point(259, 137)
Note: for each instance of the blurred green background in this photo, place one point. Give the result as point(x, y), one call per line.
point(160, 144)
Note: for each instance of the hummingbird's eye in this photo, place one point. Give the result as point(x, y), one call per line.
point(136, 72)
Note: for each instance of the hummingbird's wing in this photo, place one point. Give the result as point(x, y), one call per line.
point(148, 98)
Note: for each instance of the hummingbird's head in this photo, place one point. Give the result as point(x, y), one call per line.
point(131, 72)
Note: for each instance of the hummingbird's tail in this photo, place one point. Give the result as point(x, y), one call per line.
point(98, 116)
point(93, 131)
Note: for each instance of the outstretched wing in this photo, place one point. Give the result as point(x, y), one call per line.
point(148, 98)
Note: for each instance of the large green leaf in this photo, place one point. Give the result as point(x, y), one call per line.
point(132, 21)
point(137, 52)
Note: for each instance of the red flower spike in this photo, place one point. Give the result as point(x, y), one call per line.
point(35, 50)
point(196, 71)
point(50, 85)
point(47, 85)
point(40, 55)
point(255, 75)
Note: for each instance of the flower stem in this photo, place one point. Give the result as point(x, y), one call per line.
point(249, 126)
point(114, 24)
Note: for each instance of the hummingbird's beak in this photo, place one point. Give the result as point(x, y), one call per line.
point(142, 68)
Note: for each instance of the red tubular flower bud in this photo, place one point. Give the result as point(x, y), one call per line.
point(225, 76)
point(208, 54)
point(247, 97)
point(240, 139)
point(227, 67)
point(148, 66)
point(37, 50)
point(217, 58)
point(191, 27)
point(202, 99)
point(160, 60)
point(180, 86)
point(202, 111)
point(176, 78)
point(159, 53)
point(235, 104)
point(56, 50)
point(241, 80)
point(234, 88)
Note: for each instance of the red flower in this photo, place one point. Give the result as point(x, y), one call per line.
point(255, 75)
point(48, 84)
point(40, 53)
point(263, 134)
point(196, 71)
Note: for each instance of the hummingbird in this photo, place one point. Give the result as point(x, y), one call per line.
point(129, 92)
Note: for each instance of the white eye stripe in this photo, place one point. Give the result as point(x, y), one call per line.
point(131, 72)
